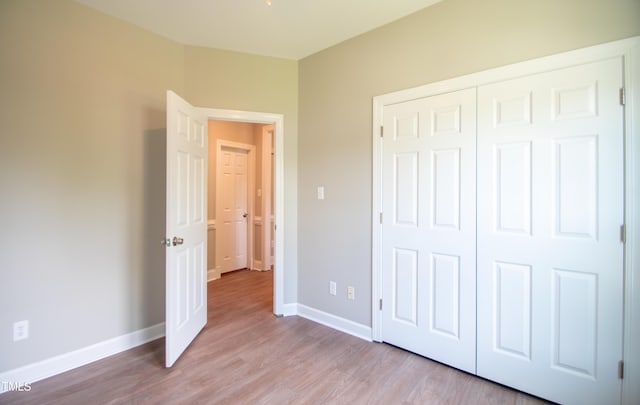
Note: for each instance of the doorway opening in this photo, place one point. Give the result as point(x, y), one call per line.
point(253, 141)
point(240, 197)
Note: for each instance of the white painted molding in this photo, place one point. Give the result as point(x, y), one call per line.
point(59, 364)
point(213, 274)
point(343, 325)
point(631, 381)
point(267, 182)
point(257, 265)
point(289, 309)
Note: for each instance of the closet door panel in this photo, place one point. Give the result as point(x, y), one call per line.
point(550, 259)
point(428, 245)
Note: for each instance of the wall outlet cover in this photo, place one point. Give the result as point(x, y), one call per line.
point(20, 330)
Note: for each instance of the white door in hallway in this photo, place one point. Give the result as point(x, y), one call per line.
point(550, 256)
point(428, 242)
point(186, 227)
point(231, 196)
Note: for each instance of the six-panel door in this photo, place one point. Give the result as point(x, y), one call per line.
point(429, 227)
point(550, 207)
point(186, 233)
point(232, 212)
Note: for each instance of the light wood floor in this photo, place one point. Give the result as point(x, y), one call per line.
point(245, 355)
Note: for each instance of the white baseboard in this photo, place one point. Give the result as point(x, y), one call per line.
point(335, 322)
point(59, 364)
point(289, 309)
point(213, 274)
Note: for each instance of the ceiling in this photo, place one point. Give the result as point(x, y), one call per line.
point(291, 29)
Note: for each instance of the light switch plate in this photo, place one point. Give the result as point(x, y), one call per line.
point(332, 287)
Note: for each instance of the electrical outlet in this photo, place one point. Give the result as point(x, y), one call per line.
point(351, 293)
point(20, 330)
point(332, 287)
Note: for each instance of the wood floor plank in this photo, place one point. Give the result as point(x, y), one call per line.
point(245, 355)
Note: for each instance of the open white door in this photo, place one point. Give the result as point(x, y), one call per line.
point(186, 236)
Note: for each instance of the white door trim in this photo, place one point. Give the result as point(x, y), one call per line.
point(251, 174)
point(278, 123)
point(629, 50)
point(267, 150)
point(631, 381)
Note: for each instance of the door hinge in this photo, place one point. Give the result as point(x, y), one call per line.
point(381, 218)
point(621, 369)
point(381, 131)
point(623, 98)
point(623, 233)
point(380, 304)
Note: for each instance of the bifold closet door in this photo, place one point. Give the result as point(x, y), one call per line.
point(428, 263)
point(550, 256)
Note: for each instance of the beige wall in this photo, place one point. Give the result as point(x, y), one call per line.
point(237, 81)
point(452, 38)
point(82, 152)
point(82, 112)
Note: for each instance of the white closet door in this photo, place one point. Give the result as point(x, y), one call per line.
point(550, 258)
point(428, 262)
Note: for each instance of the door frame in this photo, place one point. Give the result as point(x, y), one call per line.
point(251, 165)
point(627, 49)
point(277, 120)
point(267, 182)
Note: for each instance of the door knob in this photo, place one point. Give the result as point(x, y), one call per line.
point(177, 241)
point(244, 215)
